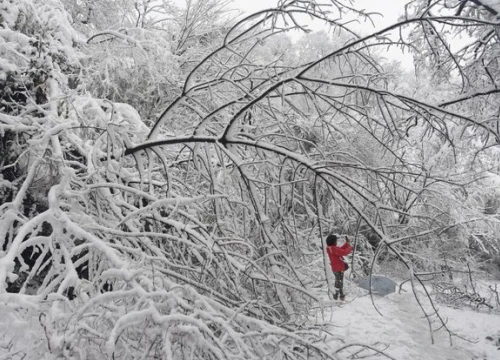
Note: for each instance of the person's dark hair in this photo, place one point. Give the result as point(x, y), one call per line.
point(331, 240)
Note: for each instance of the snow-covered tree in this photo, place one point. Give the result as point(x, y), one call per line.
point(188, 221)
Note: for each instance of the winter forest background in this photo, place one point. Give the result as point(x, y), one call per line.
point(169, 171)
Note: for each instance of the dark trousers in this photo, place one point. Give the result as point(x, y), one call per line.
point(339, 282)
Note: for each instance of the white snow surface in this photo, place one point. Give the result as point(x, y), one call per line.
point(403, 331)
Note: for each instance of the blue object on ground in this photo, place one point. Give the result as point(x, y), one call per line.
point(381, 285)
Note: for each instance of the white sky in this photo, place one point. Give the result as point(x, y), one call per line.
point(390, 10)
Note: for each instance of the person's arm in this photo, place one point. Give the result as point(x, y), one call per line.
point(343, 250)
point(347, 244)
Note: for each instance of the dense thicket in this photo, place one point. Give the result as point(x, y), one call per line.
point(168, 176)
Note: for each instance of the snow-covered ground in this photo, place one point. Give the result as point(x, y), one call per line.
point(403, 333)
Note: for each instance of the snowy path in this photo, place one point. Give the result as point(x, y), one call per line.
point(405, 332)
point(402, 332)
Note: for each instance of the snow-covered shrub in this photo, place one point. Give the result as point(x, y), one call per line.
point(133, 66)
point(112, 256)
point(458, 297)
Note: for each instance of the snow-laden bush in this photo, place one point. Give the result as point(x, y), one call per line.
point(112, 259)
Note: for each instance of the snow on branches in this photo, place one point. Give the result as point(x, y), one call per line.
point(201, 236)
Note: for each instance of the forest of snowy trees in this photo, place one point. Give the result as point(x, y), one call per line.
point(168, 174)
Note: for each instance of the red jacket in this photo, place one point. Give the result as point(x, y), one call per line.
point(335, 254)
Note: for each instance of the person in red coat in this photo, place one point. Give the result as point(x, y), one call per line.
point(335, 253)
